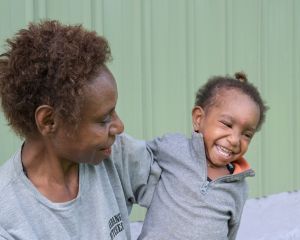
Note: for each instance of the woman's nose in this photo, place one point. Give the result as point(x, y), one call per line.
point(117, 126)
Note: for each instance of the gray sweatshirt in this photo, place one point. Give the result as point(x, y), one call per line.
point(186, 206)
point(100, 211)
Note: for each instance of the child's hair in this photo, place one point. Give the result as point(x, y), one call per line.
point(207, 94)
point(48, 63)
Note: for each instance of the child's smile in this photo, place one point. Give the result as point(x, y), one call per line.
point(224, 151)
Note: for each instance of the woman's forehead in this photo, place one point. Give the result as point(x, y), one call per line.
point(101, 94)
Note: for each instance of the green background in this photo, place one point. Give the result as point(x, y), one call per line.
point(164, 50)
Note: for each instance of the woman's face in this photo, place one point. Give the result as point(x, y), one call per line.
point(98, 127)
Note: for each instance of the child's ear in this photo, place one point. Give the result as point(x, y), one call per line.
point(197, 118)
point(45, 120)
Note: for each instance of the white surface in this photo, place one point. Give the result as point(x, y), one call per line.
point(273, 217)
point(135, 229)
point(276, 217)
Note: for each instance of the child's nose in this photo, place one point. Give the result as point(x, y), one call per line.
point(234, 139)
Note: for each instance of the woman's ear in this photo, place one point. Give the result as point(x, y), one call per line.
point(45, 120)
point(197, 118)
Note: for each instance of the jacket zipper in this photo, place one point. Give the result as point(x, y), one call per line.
point(206, 184)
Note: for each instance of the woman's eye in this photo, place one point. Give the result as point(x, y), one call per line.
point(106, 120)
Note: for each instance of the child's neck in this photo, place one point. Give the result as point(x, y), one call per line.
point(214, 172)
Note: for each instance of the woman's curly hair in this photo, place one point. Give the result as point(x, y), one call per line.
point(48, 63)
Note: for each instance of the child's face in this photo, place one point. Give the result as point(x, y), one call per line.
point(98, 127)
point(227, 126)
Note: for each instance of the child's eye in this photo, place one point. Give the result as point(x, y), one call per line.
point(227, 124)
point(249, 135)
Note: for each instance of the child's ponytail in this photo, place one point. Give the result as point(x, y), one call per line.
point(241, 76)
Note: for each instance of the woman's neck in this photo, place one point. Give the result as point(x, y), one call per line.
point(57, 180)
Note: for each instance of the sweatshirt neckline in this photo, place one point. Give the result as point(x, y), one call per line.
point(20, 175)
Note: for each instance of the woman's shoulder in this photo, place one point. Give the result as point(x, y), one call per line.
point(8, 171)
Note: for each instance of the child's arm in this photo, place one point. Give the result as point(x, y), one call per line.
point(138, 172)
point(4, 235)
point(234, 222)
point(233, 229)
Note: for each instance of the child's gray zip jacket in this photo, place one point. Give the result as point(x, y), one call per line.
point(186, 206)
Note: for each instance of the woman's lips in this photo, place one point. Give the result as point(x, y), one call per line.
point(106, 151)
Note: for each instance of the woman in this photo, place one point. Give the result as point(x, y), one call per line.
point(74, 177)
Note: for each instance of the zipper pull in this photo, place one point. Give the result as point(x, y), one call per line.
point(204, 187)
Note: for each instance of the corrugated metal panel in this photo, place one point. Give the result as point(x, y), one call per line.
point(165, 49)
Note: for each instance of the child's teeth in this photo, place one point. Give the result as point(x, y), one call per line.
point(224, 151)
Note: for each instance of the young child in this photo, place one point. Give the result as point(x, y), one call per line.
point(202, 189)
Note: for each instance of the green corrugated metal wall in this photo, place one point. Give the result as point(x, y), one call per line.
point(165, 49)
